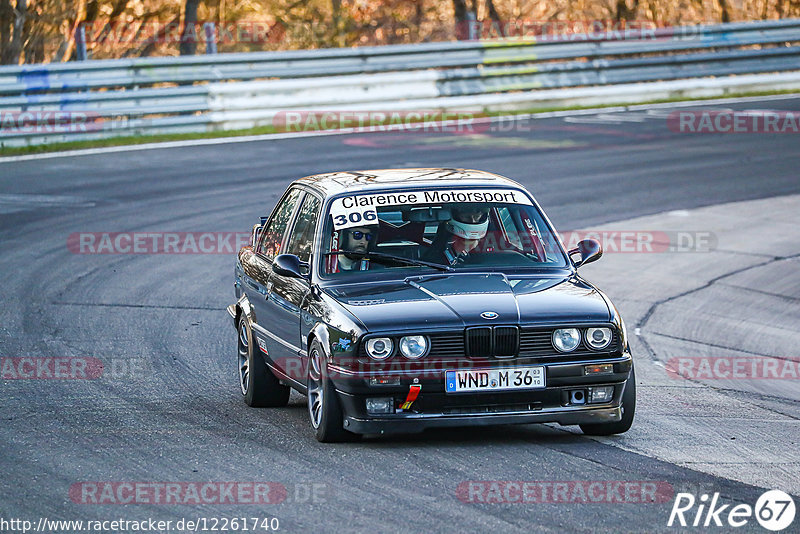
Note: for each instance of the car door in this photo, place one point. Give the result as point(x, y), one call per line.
point(257, 268)
point(287, 295)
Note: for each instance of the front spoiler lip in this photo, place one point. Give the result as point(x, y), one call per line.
point(419, 422)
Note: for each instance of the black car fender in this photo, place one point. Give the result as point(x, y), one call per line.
point(242, 306)
point(320, 333)
point(616, 319)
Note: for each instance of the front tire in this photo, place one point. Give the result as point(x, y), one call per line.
point(259, 386)
point(628, 411)
point(324, 408)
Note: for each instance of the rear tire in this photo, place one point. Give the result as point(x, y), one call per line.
point(628, 411)
point(324, 409)
point(259, 386)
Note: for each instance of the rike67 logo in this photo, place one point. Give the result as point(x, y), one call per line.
point(774, 510)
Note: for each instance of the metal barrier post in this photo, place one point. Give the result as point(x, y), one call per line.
point(80, 42)
point(472, 26)
point(211, 37)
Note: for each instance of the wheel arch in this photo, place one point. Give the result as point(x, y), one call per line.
point(242, 306)
point(320, 333)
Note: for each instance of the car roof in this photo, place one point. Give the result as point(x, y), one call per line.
point(381, 179)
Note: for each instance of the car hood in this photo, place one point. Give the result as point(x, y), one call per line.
point(458, 300)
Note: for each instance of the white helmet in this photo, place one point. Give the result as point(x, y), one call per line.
point(469, 230)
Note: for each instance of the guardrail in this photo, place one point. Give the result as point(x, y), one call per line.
point(234, 91)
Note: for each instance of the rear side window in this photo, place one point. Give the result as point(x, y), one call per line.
point(272, 236)
point(302, 239)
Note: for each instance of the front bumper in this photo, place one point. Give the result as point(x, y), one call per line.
point(436, 408)
point(419, 422)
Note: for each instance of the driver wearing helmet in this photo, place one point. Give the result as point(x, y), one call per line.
point(459, 236)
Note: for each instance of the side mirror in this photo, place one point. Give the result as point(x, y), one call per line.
point(589, 249)
point(289, 265)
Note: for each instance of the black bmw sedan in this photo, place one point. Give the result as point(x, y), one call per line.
point(399, 300)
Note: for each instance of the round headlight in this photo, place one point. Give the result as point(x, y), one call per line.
point(379, 348)
point(566, 339)
point(413, 347)
point(598, 338)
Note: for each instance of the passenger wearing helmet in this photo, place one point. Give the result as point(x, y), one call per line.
point(460, 235)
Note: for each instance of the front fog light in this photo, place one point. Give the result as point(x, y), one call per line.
point(380, 348)
point(598, 338)
point(566, 339)
point(413, 347)
point(599, 394)
point(381, 405)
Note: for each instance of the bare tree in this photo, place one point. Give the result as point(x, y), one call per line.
point(725, 15)
point(419, 17)
point(461, 21)
point(12, 27)
point(79, 18)
point(338, 29)
point(494, 16)
point(44, 30)
point(6, 18)
point(188, 46)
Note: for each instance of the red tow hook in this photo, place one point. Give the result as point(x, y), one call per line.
point(413, 393)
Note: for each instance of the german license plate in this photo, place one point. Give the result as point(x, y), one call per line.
point(502, 379)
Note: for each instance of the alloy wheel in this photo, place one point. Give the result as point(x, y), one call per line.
point(244, 358)
point(316, 396)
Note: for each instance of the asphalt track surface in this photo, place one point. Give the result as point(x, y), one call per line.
point(178, 416)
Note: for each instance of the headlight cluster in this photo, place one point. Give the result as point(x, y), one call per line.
point(380, 348)
point(412, 347)
point(568, 339)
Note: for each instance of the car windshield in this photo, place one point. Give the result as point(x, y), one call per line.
point(446, 230)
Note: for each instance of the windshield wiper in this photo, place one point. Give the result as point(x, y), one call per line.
point(399, 259)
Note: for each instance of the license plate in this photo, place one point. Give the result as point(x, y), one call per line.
point(502, 379)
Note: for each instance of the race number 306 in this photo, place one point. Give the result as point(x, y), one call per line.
point(355, 217)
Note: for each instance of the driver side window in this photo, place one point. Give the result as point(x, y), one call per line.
point(301, 240)
point(272, 235)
